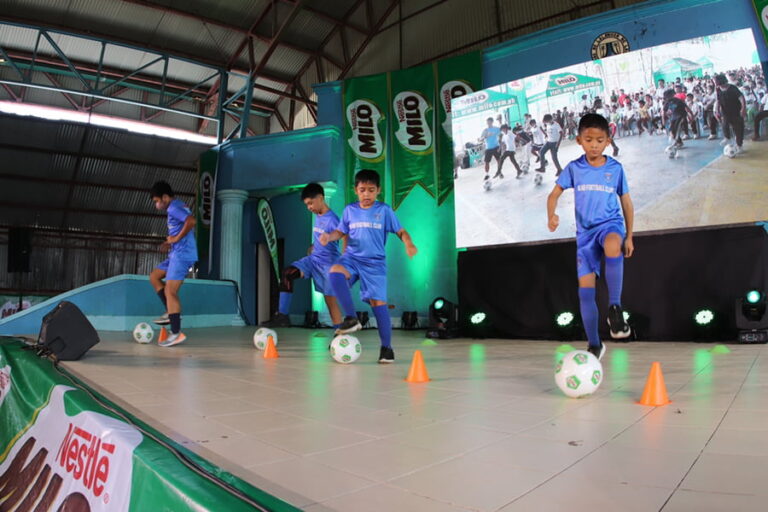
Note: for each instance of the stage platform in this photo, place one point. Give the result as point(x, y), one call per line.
point(491, 431)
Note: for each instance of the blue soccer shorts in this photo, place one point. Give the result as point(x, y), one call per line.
point(175, 269)
point(371, 273)
point(317, 271)
point(589, 246)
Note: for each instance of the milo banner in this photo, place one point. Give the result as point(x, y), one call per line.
point(411, 100)
point(365, 128)
point(761, 8)
point(454, 77)
point(268, 224)
point(63, 448)
point(206, 180)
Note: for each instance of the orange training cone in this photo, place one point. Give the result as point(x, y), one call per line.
point(418, 372)
point(271, 351)
point(163, 335)
point(655, 392)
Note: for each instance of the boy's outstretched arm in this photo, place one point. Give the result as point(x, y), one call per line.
point(326, 238)
point(410, 249)
point(553, 218)
point(629, 220)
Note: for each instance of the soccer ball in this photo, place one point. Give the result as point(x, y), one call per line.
point(729, 150)
point(345, 349)
point(261, 336)
point(538, 178)
point(143, 333)
point(578, 374)
point(671, 151)
point(487, 184)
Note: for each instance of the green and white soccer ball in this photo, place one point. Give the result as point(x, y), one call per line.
point(345, 349)
point(730, 150)
point(261, 336)
point(143, 333)
point(578, 374)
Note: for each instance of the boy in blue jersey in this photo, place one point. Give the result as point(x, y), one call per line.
point(316, 265)
point(169, 275)
point(492, 137)
point(366, 224)
point(599, 185)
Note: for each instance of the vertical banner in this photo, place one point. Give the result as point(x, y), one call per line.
point(365, 128)
point(761, 8)
point(454, 77)
point(206, 177)
point(412, 98)
point(268, 223)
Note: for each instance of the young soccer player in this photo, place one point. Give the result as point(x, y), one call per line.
point(675, 113)
point(169, 275)
point(554, 135)
point(508, 141)
point(732, 109)
point(366, 224)
point(315, 266)
point(491, 135)
point(600, 185)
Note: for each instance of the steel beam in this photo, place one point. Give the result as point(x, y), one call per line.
point(56, 181)
point(90, 211)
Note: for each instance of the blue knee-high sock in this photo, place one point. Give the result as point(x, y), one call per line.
point(161, 294)
point(343, 295)
point(336, 326)
point(384, 324)
point(614, 278)
point(284, 306)
point(175, 319)
point(589, 315)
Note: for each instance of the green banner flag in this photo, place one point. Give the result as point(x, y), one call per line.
point(454, 77)
point(411, 100)
point(761, 8)
point(268, 223)
point(365, 128)
point(206, 180)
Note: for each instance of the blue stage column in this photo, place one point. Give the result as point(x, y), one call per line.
point(230, 253)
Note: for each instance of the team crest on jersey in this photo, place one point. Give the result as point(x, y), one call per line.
point(608, 177)
point(608, 44)
point(377, 216)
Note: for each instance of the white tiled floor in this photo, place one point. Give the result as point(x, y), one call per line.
point(489, 432)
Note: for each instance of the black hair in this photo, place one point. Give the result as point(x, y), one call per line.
point(547, 118)
point(505, 125)
point(594, 121)
point(312, 190)
point(160, 189)
point(367, 176)
point(489, 119)
point(720, 79)
point(669, 94)
point(641, 102)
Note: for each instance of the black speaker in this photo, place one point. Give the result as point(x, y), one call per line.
point(19, 248)
point(67, 333)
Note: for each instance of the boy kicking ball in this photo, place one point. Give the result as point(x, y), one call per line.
point(366, 224)
point(600, 185)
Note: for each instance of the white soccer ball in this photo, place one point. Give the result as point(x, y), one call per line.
point(578, 374)
point(143, 333)
point(345, 349)
point(671, 151)
point(730, 150)
point(538, 179)
point(261, 336)
point(487, 184)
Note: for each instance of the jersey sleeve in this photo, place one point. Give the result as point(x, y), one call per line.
point(343, 224)
point(391, 223)
point(178, 211)
point(566, 178)
point(622, 187)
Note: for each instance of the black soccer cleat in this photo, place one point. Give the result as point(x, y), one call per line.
point(386, 355)
point(618, 326)
point(350, 324)
point(598, 352)
point(279, 320)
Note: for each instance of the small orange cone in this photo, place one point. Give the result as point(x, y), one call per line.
point(655, 392)
point(271, 351)
point(418, 372)
point(163, 335)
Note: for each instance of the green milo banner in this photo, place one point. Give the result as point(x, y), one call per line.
point(411, 100)
point(61, 449)
point(206, 180)
point(454, 77)
point(365, 128)
point(268, 224)
point(761, 8)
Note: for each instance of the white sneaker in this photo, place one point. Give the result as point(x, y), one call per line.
point(173, 339)
point(725, 142)
point(712, 137)
point(162, 320)
point(739, 150)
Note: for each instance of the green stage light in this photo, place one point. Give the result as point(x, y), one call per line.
point(704, 317)
point(438, 304)
point(565, 319)
point(753, 296)
point(477, 318)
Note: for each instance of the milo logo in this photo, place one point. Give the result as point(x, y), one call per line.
point(69, 463)
point(206, 197)
point(363, 118)
point(567, 79)
point(413, 133)
point(596, 377)
point(572, 382)
point(448, 92)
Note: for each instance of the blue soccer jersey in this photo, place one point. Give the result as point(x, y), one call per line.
point(186, 248)
point(325, 223)
point(596, 191)
point(367, 229)
point(492, 137)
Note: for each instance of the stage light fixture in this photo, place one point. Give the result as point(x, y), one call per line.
point(477, 318)
point(753, 296)
point(565, 319)
point(311, 319)
point(704, 317)
point(751, 317)
point(443, 319)
point(438, 304)
point(409, 320)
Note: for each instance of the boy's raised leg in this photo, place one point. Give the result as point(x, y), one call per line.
point(338, 280)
